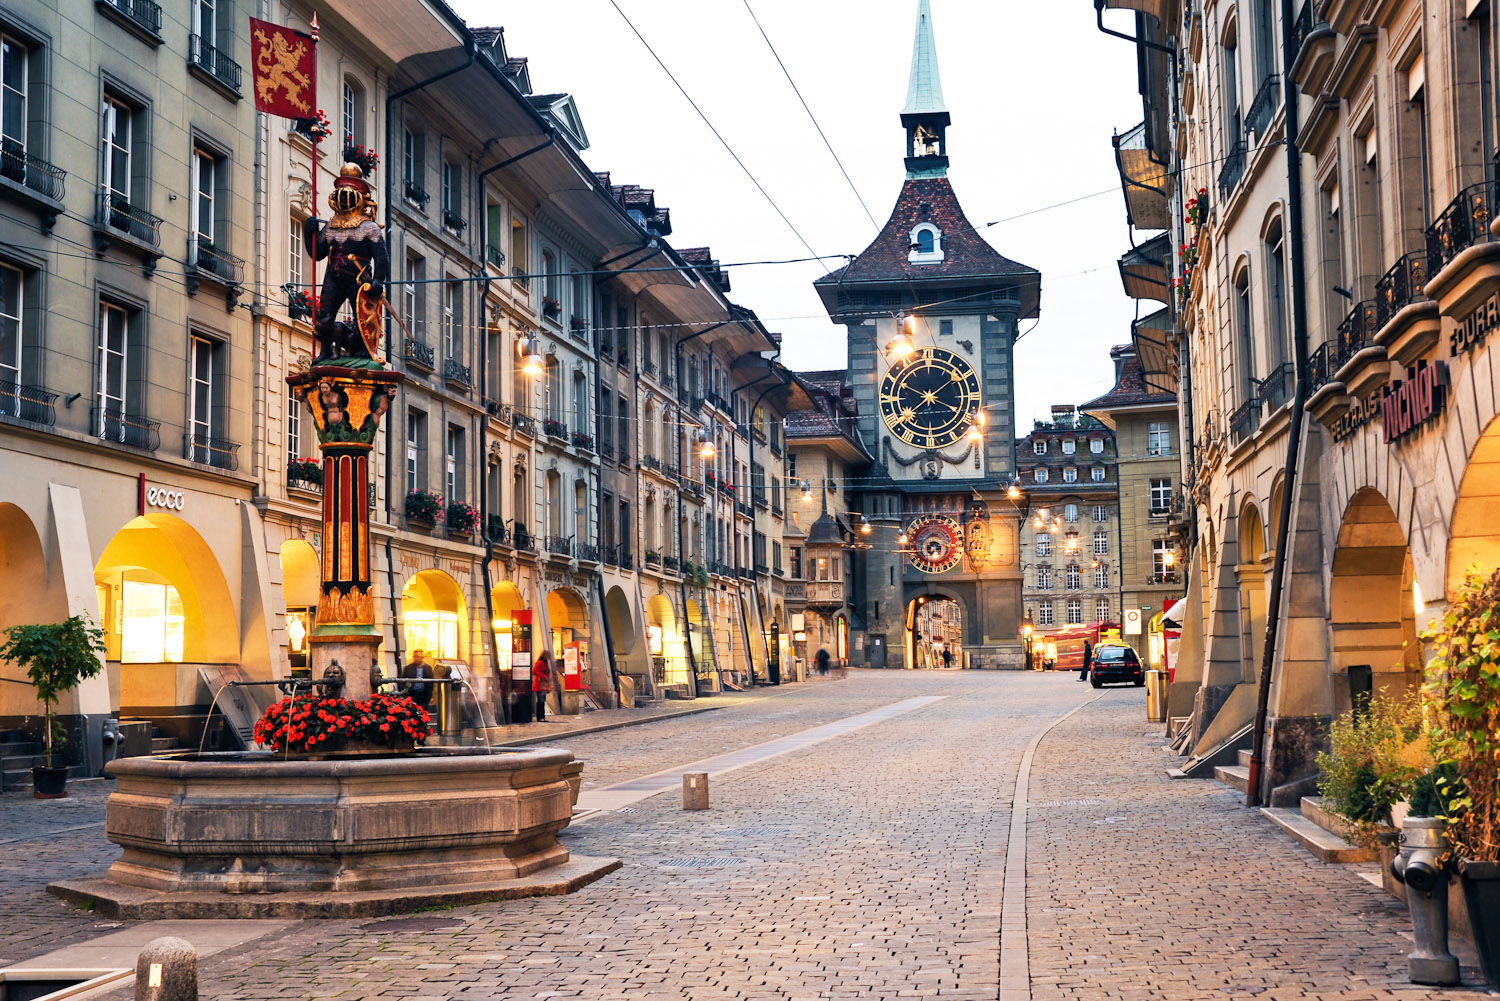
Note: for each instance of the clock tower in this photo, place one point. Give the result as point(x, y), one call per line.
point(931, 310)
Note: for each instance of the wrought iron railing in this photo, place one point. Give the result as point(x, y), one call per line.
point(211, 260)
point(1263, 108)
point(560, 545)
point(522, 279)
point(495, 530)
point(415, 193)
point(522, 539)
point(1233, 170)
point(456, 371)
point(1244, 420)
point(494, 256)
point(671, 563)
point(1356, 332)
point(744, 509)
point(653, 558)
point(1307, 21)
point(649, 367)
point(143, 13)
point(212, 451)
point(453, 221)
point(1320, 366)
point(31, 171)
point(420, 353)
point(1464, 223)
point(116, 213)
point(33, 404)
point(1400, 286)
point(216, 63)
point(123, 428)
point(1276, 388)
point(588, 551)
point(523, 424)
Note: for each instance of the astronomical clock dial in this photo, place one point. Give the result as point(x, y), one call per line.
point(936, 543)
point(929, 400)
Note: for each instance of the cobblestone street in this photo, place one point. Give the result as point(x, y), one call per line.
point(870, 865)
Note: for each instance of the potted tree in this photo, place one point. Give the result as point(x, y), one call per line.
point(57, 657)
point(1464, 689)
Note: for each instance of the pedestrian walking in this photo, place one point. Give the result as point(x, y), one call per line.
point(1088, 658)
point(822, 659)
point(419, 693)
point(542, 674)
point(947, 658)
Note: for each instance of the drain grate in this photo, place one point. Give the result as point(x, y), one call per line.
point(1069, 802)
point(413, 924)
point(701, 862)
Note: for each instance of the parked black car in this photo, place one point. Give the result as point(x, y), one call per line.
point(1116, 662)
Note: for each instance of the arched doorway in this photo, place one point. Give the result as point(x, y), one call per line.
point(1371, 614)
point(24, 600)
point(568, 615)
point(300, 585)
point(434, 617)
point(934, 623)
point(621, 623)
point(505, 602)
point(664, 639)
point(699, 638)
point(165, 609)
point(1474, 539)
point(1251, 574)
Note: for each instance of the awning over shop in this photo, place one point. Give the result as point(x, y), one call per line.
point(1143, 271)
point(1155, 346)
point(1144, 181)
point(1172, 617)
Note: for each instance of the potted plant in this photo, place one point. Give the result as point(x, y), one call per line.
point(57, 657)
point(1463, 686)
point(550, 307)
point(363, 155)
point(315, 130)
point(1376, 753)
point(305, 473)
point(316, 726)
point(461, 518)
point(423, 507)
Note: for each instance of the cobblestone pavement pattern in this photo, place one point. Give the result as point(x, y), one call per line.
point(867, 866)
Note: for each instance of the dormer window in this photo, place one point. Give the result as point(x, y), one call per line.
point(926, 245)
point(1039, 447)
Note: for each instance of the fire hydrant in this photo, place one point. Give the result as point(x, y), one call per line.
point(1420, 867)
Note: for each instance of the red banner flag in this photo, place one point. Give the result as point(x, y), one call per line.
point(283, 62)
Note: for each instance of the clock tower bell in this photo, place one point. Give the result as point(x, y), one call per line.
point(930, 311)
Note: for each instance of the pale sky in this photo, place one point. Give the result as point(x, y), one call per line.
point(1034, 90)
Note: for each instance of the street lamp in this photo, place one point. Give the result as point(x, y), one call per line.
point(902, 347)
point(806, 491)
point(529, 352)
point(706, 444)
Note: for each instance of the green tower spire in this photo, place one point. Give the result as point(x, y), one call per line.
point(924, 93)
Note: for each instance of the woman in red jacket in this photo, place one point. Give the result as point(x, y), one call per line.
point(541, 683)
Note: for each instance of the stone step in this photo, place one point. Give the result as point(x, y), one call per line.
point(159, 744)
point(1245, 758)
point(1328, 847)
point(21, 749)
point(1234, 776)
point(21, 762)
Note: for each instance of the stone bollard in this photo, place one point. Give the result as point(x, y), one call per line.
point(167, 970)
point(695, 790)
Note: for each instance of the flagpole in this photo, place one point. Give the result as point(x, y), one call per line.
point(312, 296)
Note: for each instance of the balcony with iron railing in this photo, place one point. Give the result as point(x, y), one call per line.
point(419, 352)
point(32, 179)
point(32, 404)
point(216, 63)
point(458, 373)
point(522, 539)
point(1233, 170)
point(115, 217)
point(671, 563)
point(588, 552)
point(1356, 333)
point(1464, 223)
point(494, 257)
point(1362, 361)
point(454, 222)
point(1400, 287)
point(1244, 420)
point(1263, 108)
point(211, 451)
point(560, 545)
point(1407, 322)
point(522, 423)
point(140, 16)
point(119, 427)
point(1463, 259)
point(495, 530)
point(212, 262)
point(1276, 388)
point(415, 193)
point(1321, 366)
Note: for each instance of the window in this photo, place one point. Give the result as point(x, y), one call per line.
point(1243, 335)
point(1044, 614)
point(202, 386)
point(1070, 474)
point(12, 291)
point(1044, 578)
point(1230, 84)
point(414, 296)
point(1163, 562)
point(1101, 580)
point(796, 567)
point(453, 195)
point(926, 245)
point(1073, 577)
point(1070, 512)
point(207, 169)
point(119, 128)
point(295, 257)
point(1071, 544)
point(1097, 474)
point(453, 460)
point(111, 394)
point(1039, 447)
point(1044, 543)
point(554, 504)
point(581, 422)
point(607, 423)
point(1101, 513)
point(205, 20)
point(151, 623)
point(1101, 610)
point(293, 426)
point(494, 248)
point(1331, 229)
point(549, 276)
point(1161, 495)
point(1101, 542)
point(1159, 439)
point(352, 113)
point(13, 79)
point(1068, 445)
point(791, 465)
point(1096, 446)
point(1040, 475)
point(518, 259)
point(1075, 611)
point(416, 444)
point(1276, 316)
point(413, 163)
point(945, 328)
point(554, 389)
point(453, 320)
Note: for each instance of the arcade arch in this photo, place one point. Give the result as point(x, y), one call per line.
point(25, 598)
point(1474, 537)
point(300, 586)
point(1371, 610)
point(1251, 574)
point(434, 617)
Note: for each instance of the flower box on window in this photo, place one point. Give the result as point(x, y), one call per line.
point(363, 155)
point(551, 308)
point(424, 507)
point(306, 474)
point(583, 440)
point(554, 428)
point(314, 130)
point(461, 518)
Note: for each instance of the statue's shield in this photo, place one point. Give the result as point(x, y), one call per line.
point(367, 319)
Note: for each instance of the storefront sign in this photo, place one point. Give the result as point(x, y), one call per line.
point(1406, 405)
point(520, 646)
point(166, 498)
point(1470, 332)
point(1362, 412)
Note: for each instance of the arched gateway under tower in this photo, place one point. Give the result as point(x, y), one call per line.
point(930, 310)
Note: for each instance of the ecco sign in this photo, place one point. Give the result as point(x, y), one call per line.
point(166, 498)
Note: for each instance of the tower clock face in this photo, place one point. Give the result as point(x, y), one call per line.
point(929, 400)
point(936, 543)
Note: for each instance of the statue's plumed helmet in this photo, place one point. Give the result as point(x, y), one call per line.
point(350, 190)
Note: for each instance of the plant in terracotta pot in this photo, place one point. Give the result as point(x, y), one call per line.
point(1463, 687)
point(58, 657)
point(1375, 755)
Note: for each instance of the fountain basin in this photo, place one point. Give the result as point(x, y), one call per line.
point(439, 824)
